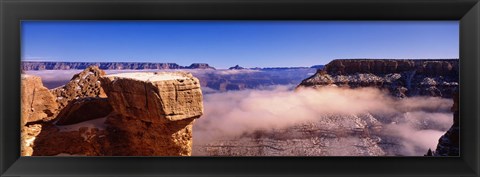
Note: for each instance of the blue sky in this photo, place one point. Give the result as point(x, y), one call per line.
point(247, 43)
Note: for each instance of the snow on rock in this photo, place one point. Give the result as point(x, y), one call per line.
point(151, 76)
point(95, 123)
point(83, 84)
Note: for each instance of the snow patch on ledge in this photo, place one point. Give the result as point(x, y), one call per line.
point(95, 123)
point(24, 76)
point(150, 76)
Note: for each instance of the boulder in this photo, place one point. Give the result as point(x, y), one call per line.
point(154, 97)
point(153, 113)
point(83, 84)
point(37, 103)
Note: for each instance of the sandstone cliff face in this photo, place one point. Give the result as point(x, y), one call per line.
point(145, 114)
point(154, 112)
point(170, 96)
point(82, 85)
point(402, 78)
point(37, 105)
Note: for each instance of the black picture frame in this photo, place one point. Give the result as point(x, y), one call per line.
point(13, 11)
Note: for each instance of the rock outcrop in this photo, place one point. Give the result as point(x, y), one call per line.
point(402, 78)
point(154, 112)
point(449, 143)
point(37, 103)
point(82, 85)
point(145, 114)
point(171, 96)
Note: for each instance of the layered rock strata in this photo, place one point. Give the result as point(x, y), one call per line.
point(145, 114)
point(402, 78)
point(37, 105)
point(154, 112)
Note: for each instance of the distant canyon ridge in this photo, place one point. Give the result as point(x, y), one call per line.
point(53, 65)
point(211, 79)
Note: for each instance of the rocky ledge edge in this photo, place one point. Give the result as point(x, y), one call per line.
point(134, 114)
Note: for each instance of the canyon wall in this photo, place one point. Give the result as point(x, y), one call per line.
point(449, 143)
point(402, 78)
point(134, 114)
point(38, 105)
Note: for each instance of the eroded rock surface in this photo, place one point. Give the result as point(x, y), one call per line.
point(155, 97)
point(83, 139)
point(37, 103)
point(154, 112)
point(82, 85)
point(402, 78)
point(84, 109)
point(145, 114)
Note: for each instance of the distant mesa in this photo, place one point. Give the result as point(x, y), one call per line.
point(200, 66)
point(236, 67)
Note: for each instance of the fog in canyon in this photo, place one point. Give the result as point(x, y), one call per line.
point(415, 123)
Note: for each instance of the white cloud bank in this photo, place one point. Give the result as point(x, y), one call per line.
point(417, 122)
